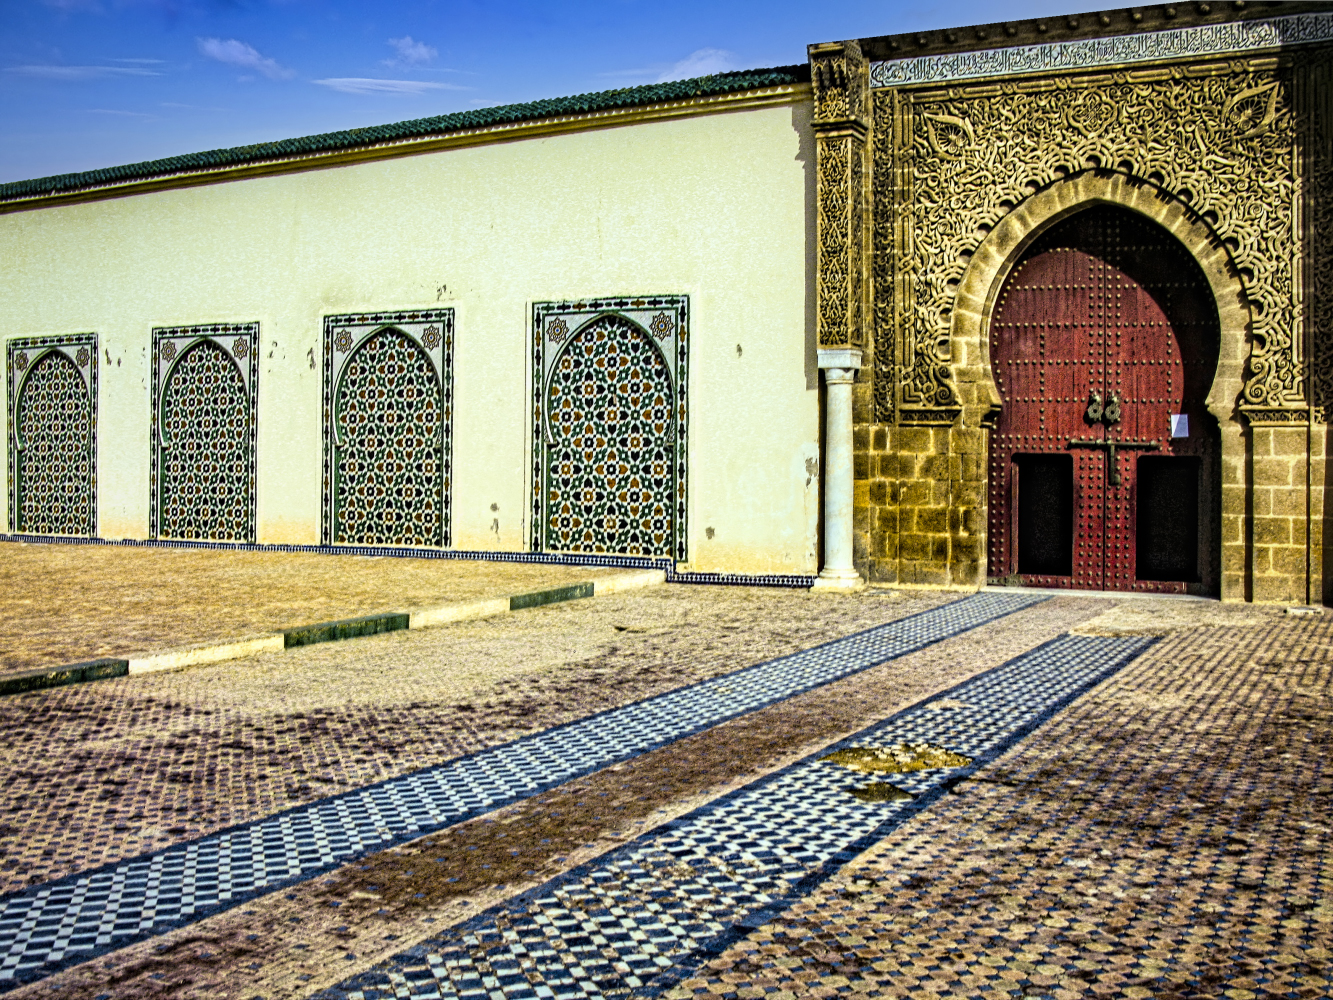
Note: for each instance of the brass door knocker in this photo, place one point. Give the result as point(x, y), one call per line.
point(1111, 414)
point(1107, 413)
point(1094, 414)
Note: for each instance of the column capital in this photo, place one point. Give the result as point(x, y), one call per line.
point(839, 357)
point(840, 74)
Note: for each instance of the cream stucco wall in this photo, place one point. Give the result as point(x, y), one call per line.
point(715, 206)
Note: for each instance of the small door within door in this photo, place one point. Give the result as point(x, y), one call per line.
point(1104, 461)
point(1167, 518)
point(1045, 489)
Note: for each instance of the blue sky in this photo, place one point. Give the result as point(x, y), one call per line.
point(95, 83)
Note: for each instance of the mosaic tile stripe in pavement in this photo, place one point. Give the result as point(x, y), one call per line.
point(78, 917)
point(644, 916)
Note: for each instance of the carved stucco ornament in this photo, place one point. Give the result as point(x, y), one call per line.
point(839, 74)
point(950, 163)
point(1321, 269)
point(1252, 111)
point(949, 136)
point(1091, 113)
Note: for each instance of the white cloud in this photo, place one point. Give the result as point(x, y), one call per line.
point(410, 52)
point(121, 114)
point(701, 62)
point(78, 72)
point(235, 53)
point(363, 85)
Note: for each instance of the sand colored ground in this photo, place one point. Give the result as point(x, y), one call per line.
point(1163, 617)
point(68, 603)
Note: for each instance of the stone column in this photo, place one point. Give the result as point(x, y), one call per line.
point(839, 73)
point(838, 574)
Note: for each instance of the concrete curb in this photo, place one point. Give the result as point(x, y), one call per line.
point(189, 656)
point(348, 628)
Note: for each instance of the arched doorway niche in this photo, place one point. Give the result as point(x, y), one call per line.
point(389, 445)
point(609, 482)
point(1005, 245)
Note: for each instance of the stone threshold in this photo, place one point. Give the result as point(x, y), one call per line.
point(1118, 595)
point(347, 628)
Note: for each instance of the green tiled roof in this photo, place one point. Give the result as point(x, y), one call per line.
point(606, 100)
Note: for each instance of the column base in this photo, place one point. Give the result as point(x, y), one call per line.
point(838, 581)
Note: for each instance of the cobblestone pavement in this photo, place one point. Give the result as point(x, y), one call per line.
point(67, 603)
point(1200, 771)
point(93, 773)
point(1168, 836)
point(69, 921)
point(290, 943)
point(651, 911)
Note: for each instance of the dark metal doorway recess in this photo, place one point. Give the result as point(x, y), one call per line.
point(1104, 469)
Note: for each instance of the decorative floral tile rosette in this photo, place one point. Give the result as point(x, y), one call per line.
point(205, 419)
point(610, 420)
point(52, 447)
point(388, 428)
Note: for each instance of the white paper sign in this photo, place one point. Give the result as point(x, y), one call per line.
point(1180, 425)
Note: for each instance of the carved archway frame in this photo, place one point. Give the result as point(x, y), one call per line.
point(1003, 248)
point(1005, 244)
point(965, 174)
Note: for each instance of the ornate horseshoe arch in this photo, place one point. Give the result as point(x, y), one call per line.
point(1004, 246)
point(205, 388)
point(404, 411)
point(68, 453)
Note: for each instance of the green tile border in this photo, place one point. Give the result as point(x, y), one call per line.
point(70, 673)
point(347, 628)
point(537, 598)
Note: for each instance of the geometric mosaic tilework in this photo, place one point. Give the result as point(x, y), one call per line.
point(205, 415)
point(53, 435)
point(388, 428)
point(70, 920)
point(648, 914)
point(609, 425)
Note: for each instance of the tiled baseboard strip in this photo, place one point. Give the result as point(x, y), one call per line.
point(70, 920)
point(647, 915)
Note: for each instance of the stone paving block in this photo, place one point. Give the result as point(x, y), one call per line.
point(284, 943)
point(1201, 773)
point(664, 902)
point(91, 773)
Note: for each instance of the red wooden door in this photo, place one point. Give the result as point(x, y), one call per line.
point(1103, 333)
